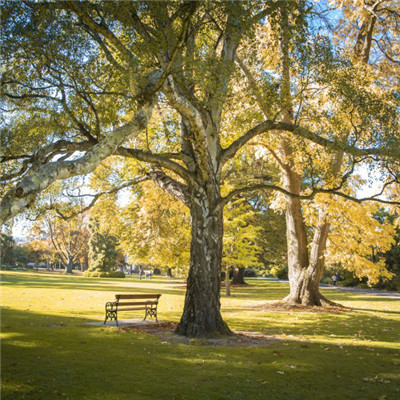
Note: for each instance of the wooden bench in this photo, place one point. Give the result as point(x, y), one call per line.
point(128, 302)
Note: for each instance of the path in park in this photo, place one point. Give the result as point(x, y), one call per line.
point(374, 292)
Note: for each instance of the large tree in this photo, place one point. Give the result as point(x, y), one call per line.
point(342, 98)
point(373, 107)
point(82, 80)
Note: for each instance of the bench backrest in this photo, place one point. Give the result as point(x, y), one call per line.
point(150, 299)
point(137, 296)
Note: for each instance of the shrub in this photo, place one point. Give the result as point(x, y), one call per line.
point(326, 279)
point(103, 274)
point(250, 273)
point(393, 284)
point(279, 271)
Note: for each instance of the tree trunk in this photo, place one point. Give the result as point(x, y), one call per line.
point(169, 272)
point(304, 285)
point(317, 258)
point(201, 315)
point(303, 289)
point(238, 276)
point(318, 245)
point(68, 266)
point(227, 281)
point(305, 274)
point(301, 279)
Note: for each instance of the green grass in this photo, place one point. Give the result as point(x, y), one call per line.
point(48, 352)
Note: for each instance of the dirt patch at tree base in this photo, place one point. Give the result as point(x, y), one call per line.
point(284, 306)
point(166, 332)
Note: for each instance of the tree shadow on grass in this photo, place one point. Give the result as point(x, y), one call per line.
point(69, 360)
point(376, 311)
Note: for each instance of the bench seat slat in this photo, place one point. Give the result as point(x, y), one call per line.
point(131, 308)
point(136, 303)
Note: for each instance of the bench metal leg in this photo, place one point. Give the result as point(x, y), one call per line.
point(151, 312)
point(111, 315)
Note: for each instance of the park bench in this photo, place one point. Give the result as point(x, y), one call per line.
point(128, 302)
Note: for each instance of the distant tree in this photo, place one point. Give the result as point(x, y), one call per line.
point(391, 257)
point(7, 245)
point(272, 235)
point(66, 240)
point(22, 254)
point(240, 236)
point(40, 251)
point(103, 252)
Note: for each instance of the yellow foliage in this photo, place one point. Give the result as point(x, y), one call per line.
point(356, 238)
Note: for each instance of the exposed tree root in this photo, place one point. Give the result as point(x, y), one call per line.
point(283, 305)
point(329, 303)
point(317, 300)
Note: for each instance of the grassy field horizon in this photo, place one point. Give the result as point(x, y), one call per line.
point(50, 352)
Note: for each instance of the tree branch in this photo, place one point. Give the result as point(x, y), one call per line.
point(266, 126)
point(171, 186)
point(231, 150)
point(95, 197)
point(41, 155)
point(101, 29)
point(309, 196)
point(161, 160)
point(21, 196)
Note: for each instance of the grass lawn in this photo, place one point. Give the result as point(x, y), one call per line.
point(48, 352)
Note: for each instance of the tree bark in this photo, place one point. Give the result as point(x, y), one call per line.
point(227, 281)
point(304, 273)
point(238, 276)
point(169, 272)
point(202, 311)
point(68, 266)
point(304, 281)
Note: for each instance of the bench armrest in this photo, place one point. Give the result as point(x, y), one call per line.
point(111, 305)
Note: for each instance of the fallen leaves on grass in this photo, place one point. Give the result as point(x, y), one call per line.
point(166, 332)
point(375, 379)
